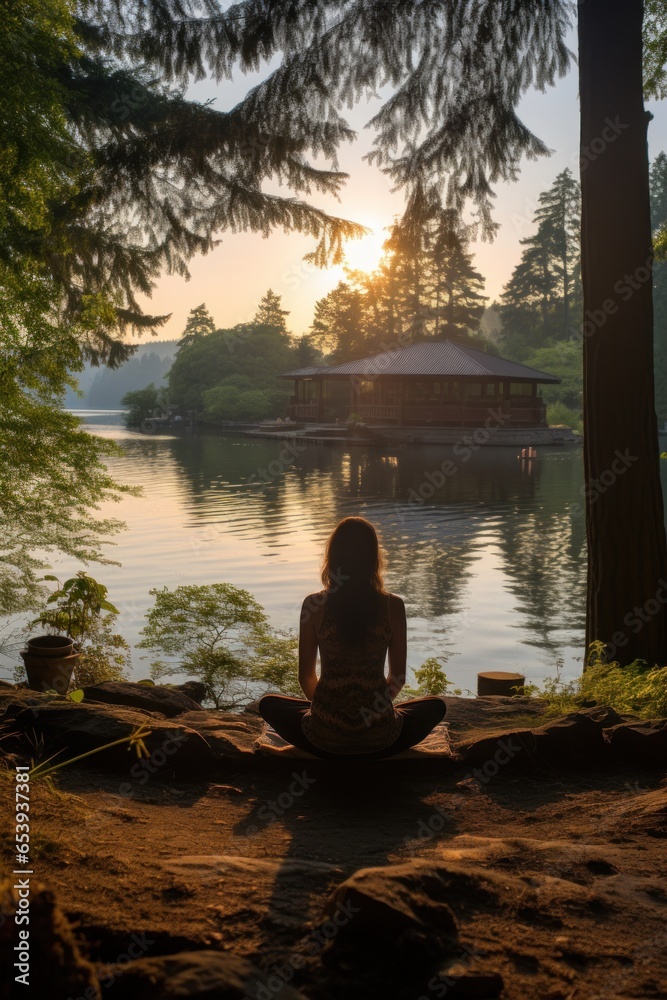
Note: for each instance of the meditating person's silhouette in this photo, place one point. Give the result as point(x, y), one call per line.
point(349, 709)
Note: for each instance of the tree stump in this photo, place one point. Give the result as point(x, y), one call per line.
point(499, 682)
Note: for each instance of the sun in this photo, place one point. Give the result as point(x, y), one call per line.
point(365, 254)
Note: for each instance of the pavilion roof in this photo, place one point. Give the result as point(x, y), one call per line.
point(429, 358)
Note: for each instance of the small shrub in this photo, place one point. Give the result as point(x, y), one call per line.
point(431, 679)
point(559, 415)
point(219, 634)
point(634, 689)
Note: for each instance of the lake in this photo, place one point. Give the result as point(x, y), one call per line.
point(491, 564)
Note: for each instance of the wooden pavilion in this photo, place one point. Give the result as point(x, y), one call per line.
point(433, 383)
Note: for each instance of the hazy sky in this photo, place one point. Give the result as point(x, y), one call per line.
point(232, 278)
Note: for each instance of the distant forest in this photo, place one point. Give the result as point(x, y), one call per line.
point(426, 286)
point(104, 388)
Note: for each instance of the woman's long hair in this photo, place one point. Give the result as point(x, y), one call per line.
point(352, 577)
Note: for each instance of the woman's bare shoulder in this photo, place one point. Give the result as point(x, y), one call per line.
point(396, 608)
point(311, 609)
point(396, 600)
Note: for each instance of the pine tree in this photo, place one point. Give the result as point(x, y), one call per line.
point(199, 324)
point(426, 285)
point(270, 312)
point(457, 299)
point(542, 296)
point(338, 325)
point(559, 221)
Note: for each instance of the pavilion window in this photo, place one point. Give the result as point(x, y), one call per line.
point(425, 392)
point(391, 393)
point(473, 390)
point(521, 389)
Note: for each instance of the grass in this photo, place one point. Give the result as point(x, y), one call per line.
point(633, 689)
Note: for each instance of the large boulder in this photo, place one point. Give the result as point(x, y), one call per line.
point(170, 701)
point(399, 911)
point(77, 728)
point(204, 975)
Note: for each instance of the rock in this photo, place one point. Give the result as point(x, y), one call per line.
point(577, 737)
point(7, 684)
point(76, 728)
point(645, 814)
point(468, 717)
point(151, 698)
point(395, 914)
point(230, 737)
point(193, 689)
point(56, 967)
point(15, 699)
point(640, 742)
point(204, 975)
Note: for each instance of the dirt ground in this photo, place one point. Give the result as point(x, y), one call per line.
point(570, 868)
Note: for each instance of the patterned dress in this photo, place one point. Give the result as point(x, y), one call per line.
point(351, 710)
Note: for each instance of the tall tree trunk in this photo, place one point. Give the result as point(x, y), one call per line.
point(627, 561)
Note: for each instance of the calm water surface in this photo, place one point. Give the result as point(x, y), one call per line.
point(491, 566)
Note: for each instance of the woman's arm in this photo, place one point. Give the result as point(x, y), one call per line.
point(398, 645)
point(308, 647)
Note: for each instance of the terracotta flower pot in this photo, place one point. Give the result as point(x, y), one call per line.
point(49, 673)
point(50, 645)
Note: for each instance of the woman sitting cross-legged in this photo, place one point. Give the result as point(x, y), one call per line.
point(354, 622)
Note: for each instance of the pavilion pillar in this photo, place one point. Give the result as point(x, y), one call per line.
point(320, 387)
point(354, 395)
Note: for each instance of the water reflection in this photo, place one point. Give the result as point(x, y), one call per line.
point(489, 557)
point(490, 503)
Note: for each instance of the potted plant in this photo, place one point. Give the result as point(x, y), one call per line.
point(49, 661)
point(77, 617)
